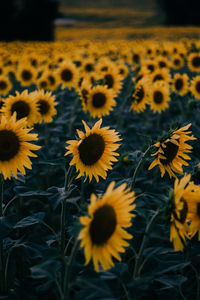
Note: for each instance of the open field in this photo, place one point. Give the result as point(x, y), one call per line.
point(99, 162)
point(119, 23)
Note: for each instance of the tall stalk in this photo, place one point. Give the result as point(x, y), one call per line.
point(2, 274)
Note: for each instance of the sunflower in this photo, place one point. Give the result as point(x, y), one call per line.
point(26, 74)
point(5, 85)
point(45, 104)
point(67, 74)
point(15, 146)
point(123, 70)
point(176, 61)
point(141, 75)
point(113, 80)
point(84, 92)
point(180, 84)
point(194, 62)
point(162, 62)
point(172, 152)
point(52, 79)
point(191, 199)
point(159, 96)
point(195, 87)
point(33, 59)
point(161, 75)
point(24, 105)
point(178, 222)
point(95, 152)
point(103, 234)
point(88, 66)
point(100, 101)
point(135, 56)
point(104, 65)
point(140, 96)
point(42, 83)
point(148, 65)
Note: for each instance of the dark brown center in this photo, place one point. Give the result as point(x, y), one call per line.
point(91, 149)
point(9, 145)
point(136, 58)
point(103, 224)
point(178, 84)
point(151, 67)
point(158, 97)
point(51, 80)
point(158, 77)
point(43, 84)
point(66, 75)
point(139, 94)
point(98, 100)
point(26, 75)
point(3, 85)
point(196, 61)
point(177, 62)
point(198, 86)
point(109, 81)
point(84, 93)
point(162, 64)
point(43, 107)
point(170, 152)
point(104, 69)
point(183, 212)
point(22, 109)
point(89, 67)
point(139, 77)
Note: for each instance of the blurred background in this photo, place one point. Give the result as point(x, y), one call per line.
point(48, 19)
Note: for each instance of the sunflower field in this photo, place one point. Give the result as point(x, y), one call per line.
point(100, 170)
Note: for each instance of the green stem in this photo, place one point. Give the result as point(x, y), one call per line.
point(7, 268)
point(2, 274)
point(125, 290)
point(68, 177)
point(68, 267)
point(74, 109)
point(1, 195)
point(46, 135)
point(62, 227)
point(71, 238)
point(138, 166)
point(51, 229)
point(142, 246)
point(121, 110)
point(8, 204)
point(198, 283)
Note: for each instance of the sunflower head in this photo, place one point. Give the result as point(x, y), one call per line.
point(5, 85)
point(172, 150)
point(15, 146)
point(180, 84)
point(195, 87)
point(26, 74)
point(159, 96)
point(140, 96)
point(100, 101)
point(185, 211)
point(94, 152)
point(67, 74)
point(194, 62)
point(103, 234)
point(24, 106)
point(45, 104)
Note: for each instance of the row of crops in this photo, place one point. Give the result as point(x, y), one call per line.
point(100, 174)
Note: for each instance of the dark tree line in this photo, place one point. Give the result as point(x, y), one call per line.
point(181, 12)
point(27, 19)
